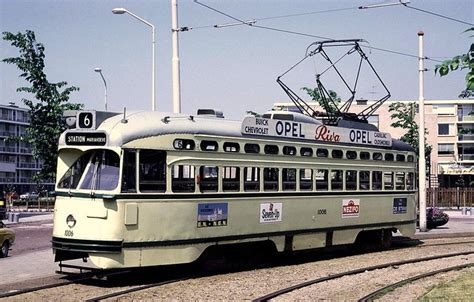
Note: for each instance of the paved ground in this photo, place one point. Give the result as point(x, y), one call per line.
point(39, 263)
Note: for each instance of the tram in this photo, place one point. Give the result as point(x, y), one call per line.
point(152, 188)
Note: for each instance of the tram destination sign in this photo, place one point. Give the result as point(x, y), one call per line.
point(86, 138)
point(314, 132)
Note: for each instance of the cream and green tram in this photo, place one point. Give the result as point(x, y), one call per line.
point(156, 189)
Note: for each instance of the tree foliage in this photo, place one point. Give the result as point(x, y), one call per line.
point(50, 100)
point(315, 95)
point(403, 117)
point(461, 62)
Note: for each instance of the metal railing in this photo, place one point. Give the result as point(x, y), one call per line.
point(450, 197)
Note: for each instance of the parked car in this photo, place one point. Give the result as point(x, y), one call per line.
point(3, 209)
point(29, 195)
point(7, 238)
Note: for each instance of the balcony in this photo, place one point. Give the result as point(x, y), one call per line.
point(27, 165)
point(466, 137)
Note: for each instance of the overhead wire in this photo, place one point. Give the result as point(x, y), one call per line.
point(436, 14)
point(252, 24)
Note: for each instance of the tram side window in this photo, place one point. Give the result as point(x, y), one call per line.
point(351, 180)
point(306, 180)
point(183, 144)
point(252, 148)
point(231, 147)
point(321, 180)
point(400, 157)
point(364, 155)
point(376, 180)
point(400, 181)
point(289, 179)
point(251, 179)
point(351, 155)
point(410, 158)
point(182, 178)
point(410, 181)
point(336, 180)
point(270, 149)
point(209, 146)
point(388, 156)
point(377, 156)
point(364, 180)
point(208, 178)
point(270, 179)
point(152, 171)
point(322, 152)
point(289, 150)
point(388, 180)
point(306, 151)
point(231, 179)
point(337, 153)
point(129, 175)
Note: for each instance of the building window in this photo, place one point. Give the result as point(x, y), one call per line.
point(443, 129)
point(445, 149)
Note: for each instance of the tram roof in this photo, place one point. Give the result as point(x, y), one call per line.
point(142, 124)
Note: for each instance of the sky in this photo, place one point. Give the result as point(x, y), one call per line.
point(235, 68)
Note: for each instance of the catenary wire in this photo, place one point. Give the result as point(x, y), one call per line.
point(438, 15)
point(252, 24)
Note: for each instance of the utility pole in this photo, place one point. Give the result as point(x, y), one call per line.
point(421, 137)
point(175, 58)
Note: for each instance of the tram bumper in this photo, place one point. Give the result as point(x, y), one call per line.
point(68, 249)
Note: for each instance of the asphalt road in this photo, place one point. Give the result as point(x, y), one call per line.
point(31, 236)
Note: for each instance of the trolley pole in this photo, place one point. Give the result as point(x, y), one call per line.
point(421, 138)
point(175, 58)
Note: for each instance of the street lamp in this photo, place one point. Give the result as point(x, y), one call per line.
point(105, 84)
point(121, 11)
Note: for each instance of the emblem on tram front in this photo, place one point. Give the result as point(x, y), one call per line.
point(70, 221)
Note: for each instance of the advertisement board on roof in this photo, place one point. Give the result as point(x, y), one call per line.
point(252, 125)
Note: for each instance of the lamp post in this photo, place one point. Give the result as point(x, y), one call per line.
point(105, 85)
point(121, 11)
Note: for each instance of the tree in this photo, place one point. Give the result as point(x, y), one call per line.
point(404, 117)
point(51, 99)
point(315, 95)
point(461, 62)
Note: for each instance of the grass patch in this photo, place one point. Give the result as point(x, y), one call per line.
point(460, 289)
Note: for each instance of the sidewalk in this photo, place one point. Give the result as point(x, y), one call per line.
point(30, 217)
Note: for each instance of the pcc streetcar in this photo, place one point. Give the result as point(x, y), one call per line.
point(151, 188)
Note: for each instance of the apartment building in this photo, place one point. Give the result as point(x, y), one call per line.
point(17, 165)
point(450, 127)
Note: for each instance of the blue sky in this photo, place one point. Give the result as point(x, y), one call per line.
point(232, 68)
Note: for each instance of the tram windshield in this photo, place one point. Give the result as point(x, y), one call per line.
point(94, 170)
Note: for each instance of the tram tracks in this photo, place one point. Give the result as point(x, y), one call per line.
point(396, 264)
point(85, 289)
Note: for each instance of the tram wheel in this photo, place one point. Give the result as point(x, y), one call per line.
point(5, 249)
